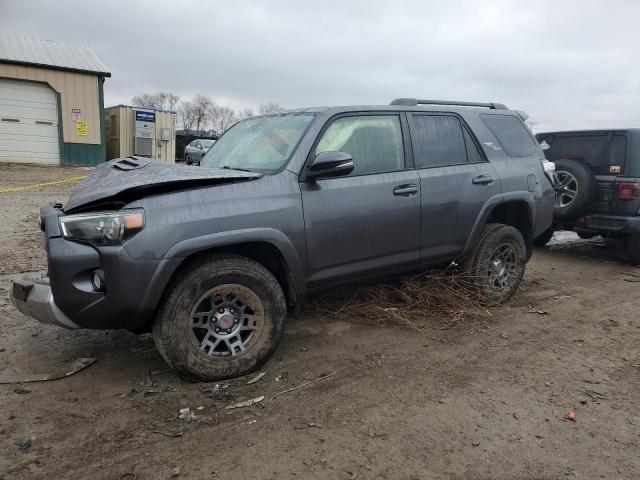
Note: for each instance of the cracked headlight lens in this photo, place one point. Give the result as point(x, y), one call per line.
point(102, 228)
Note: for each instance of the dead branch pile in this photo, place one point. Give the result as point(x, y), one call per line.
point(436, 300)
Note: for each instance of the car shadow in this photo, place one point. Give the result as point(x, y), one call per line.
point(597, 248)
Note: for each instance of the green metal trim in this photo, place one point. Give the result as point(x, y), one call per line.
point(54, 67)
point(83, 154)
point(60, 130)
point(103, 127)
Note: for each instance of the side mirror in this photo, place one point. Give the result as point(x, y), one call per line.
point(330, 164)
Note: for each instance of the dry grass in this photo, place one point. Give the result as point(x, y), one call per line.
point(436, 300)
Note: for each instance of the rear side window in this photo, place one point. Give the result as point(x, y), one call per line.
point(374, 142)
point(512, 134)
point(438, 140)
point(604, 153)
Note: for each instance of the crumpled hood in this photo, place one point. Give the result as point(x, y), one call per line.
point(134, 177)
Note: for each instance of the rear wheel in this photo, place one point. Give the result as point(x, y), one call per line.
point(498, 263)
point(632, 246)
point(222, 317)
point(574, 185)
point(544, 238)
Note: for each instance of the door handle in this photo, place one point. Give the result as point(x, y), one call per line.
point(407, 190)
point(482, 180)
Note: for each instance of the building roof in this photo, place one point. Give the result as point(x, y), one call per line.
point(56, 54)
point(138, 107)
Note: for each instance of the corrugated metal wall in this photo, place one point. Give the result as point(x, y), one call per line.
point(77, 90)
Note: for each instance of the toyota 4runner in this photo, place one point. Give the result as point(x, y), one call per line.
point(209, 259)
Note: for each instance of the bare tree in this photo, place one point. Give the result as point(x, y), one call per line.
point(222, 117)
point(186, 113)
point(171, 100)
point(271, 107)
point(244, 114)
point(160, 100)
point(202, 109)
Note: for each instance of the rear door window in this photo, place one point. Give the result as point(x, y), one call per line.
point(604, 153)
point(513, 136)
point(438, 141)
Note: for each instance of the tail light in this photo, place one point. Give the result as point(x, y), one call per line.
point(628, 190)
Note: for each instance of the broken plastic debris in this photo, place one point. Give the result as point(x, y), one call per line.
point(571, 415)
point(186, 414)
point(246, 403)
point(66, 371)
point(256, 378)
point(23, 442)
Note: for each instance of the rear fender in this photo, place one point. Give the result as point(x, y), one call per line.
point(489, 207)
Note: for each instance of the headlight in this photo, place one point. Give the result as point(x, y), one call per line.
point(102, 228)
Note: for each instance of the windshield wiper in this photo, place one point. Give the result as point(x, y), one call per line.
point(227, 167)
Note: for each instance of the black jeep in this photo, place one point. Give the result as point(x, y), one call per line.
point(597, 184)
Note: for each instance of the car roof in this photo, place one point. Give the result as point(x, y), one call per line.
point(567, 133)
point(395, 108)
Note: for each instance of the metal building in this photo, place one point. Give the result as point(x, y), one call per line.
point(51, 102)
point(144, 132)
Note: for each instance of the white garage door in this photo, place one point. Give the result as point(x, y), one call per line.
point(28, 123)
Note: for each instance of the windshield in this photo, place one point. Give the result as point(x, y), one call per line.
point(262, 144)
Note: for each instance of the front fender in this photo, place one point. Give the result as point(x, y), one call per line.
point(191, 246)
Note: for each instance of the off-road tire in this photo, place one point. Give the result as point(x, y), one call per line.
point(586, 188)
point(479, 265)
point(632, 247)
point(544, 237)
point(173, 325)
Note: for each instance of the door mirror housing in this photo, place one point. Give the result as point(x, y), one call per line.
point(330, 164)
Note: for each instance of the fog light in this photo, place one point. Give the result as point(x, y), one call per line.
point(98, 280)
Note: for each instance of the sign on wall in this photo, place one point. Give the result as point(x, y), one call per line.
point(81, 129)
point(149, 117)
point(76, 114)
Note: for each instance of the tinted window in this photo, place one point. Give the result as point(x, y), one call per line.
point(437, 141)
point(600, 152)
point(512, 134)
point(374, 142)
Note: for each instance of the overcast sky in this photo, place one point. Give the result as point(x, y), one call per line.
point(568, 64)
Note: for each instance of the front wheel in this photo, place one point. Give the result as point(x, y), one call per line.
point(222, 317)
point(632, 246)
point(497, 265)
point(187, 159)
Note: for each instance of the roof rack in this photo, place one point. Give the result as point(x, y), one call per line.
point(412, 102)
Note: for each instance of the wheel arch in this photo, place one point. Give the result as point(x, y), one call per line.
point(269, 247)
point(515, 208)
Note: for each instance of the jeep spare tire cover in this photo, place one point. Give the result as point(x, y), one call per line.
point(575, 187)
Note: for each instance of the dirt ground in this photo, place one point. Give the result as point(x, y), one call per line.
point(486, 400)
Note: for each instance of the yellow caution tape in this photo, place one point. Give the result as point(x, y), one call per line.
point(46, 184)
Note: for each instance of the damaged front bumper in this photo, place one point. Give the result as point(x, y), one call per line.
point(34, 298)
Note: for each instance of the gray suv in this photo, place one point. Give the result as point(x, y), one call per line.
point(210, 259)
